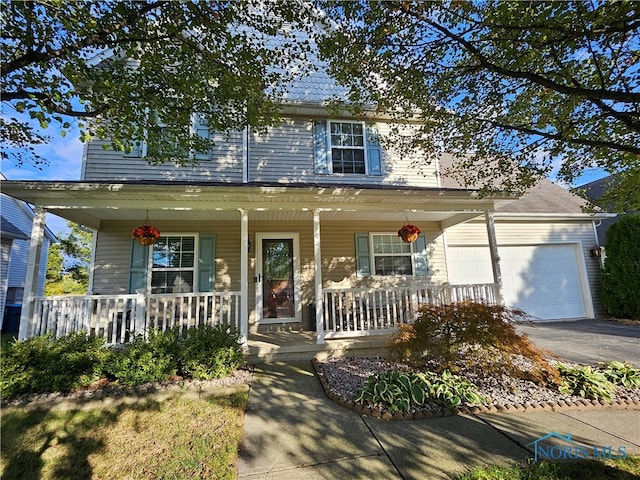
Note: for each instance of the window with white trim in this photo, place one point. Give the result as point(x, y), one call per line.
point(347, 147)
point(173, 264)
point(391, 256)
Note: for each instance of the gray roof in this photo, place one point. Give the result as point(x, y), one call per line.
point(545, 197)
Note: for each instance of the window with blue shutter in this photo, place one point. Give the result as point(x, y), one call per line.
point(390, 255)
point(346, 147)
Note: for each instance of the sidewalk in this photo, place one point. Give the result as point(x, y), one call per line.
point(293, 431)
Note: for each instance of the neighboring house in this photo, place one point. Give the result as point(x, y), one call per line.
point(297, 229)
point(17, 218)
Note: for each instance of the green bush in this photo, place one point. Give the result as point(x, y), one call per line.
point(43, 364)
point(470, 335)
point(143, 361)
point(208, 352)
point(585, 382)
point(621, 273)
point(398, 390)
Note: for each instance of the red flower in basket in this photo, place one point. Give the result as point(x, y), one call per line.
point(409, 233)
point(146, 235)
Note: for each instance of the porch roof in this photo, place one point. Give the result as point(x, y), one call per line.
point(91, 203)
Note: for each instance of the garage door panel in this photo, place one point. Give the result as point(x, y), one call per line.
point(542, 280)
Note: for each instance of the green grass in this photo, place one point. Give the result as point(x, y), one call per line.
point(620, 469)
point(174, 439)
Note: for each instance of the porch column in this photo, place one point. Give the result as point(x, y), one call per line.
point(317, 260)
point(244, 276)
point(31, 278)
point(495, 257)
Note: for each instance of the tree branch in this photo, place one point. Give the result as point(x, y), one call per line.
point(97, 39)
point(602, 94)
point(635, 149)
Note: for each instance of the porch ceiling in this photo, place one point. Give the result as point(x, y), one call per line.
point(91, 203)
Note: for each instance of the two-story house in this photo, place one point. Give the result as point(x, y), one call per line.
point(297, 229)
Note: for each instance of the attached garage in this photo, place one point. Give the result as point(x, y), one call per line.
point(547, 281)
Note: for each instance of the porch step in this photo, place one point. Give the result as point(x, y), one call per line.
point(294, 346)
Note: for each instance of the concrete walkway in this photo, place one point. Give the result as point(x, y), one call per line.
point(293, 431)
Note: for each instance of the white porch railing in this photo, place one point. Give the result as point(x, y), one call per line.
point(365, 311)
point(118, 318)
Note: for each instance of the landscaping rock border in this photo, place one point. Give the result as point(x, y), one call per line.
point(559, 406)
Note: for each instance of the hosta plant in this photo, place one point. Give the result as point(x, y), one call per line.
point(451, 390)
point(585, 382)
point(398, 391)
point(622, 373)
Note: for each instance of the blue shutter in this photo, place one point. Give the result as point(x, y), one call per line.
point(206, 262)
point(320, 156)
point(201, 130)
point(363, 263)
point(374, 161)
point(420, 255)
point(139, 267)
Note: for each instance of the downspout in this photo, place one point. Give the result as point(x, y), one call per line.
point(245, 154)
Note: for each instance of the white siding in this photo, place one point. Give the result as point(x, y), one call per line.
point(225, 164)
point(285, 154)
point(536, 233)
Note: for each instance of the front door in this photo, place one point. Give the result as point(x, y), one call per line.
point(277, 278)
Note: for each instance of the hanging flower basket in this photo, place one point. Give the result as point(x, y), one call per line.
point(146, 235)
point(409, 233)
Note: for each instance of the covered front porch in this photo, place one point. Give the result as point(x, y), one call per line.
point(336, 310)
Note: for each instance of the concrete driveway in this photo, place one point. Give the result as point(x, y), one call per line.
point(587, 341)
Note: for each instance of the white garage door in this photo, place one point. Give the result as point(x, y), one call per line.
point(542, 280)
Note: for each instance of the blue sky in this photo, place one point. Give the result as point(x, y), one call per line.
point(65, 163)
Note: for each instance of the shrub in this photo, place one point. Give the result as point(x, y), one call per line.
point(43, 364)
point(208, 352)
point(399, 390)
point(471, 335)
point(621, 273)
point(585, 382)
point(144, 361)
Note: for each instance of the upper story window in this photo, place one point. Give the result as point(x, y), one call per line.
point(345, 147)
point(162, 139)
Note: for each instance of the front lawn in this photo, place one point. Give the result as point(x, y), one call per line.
point(173, 439)
point(620, 469)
